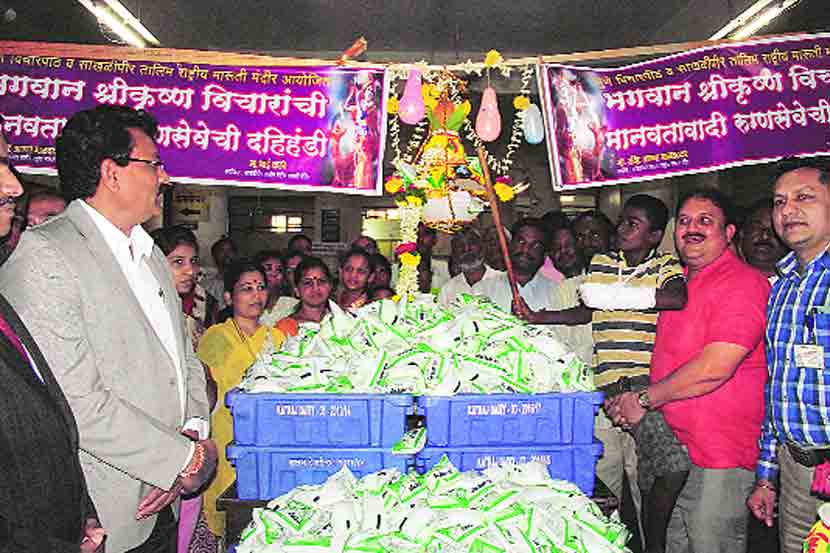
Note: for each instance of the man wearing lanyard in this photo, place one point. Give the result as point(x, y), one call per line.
point(796, 431)
point(99, 299)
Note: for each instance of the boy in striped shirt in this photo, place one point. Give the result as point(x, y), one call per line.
point(623, 294)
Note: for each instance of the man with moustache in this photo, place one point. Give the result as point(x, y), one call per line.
point(796, 431)
point(555, 220)
point(44, 504)
point(528, 246)
point(529, 242)
point(760, 246)
point(466, 249)
point(707, 378)
point(99, 298)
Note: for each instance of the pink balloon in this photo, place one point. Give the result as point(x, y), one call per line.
point(411, 107)
point(488, 120)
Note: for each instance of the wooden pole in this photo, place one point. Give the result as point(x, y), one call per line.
point(494, 206)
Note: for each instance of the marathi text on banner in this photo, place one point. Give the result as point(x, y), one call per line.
point(305, 128)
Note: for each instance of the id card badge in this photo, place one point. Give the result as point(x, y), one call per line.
point(810, 356)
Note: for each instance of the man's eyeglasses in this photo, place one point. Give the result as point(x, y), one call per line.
point(156, 164)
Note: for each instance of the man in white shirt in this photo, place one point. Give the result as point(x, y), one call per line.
point(466, 250)
point(99, 299)
point(528, 249)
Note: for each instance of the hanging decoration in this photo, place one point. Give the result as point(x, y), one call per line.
point(488, 120)
point(434, 179)
point(533, 125)
point(411, 109)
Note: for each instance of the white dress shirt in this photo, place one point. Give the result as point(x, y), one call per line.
point(459, 285)
point(132, 253)
point(539, 293)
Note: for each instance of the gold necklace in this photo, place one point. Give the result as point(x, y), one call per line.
point(244, 338)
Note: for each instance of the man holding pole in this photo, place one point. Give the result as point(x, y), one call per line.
point(527, 251)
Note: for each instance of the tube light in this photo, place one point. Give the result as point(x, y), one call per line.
point(741, 19)
point(762, 20)
point(108, 18)
point(754, 18)
point(132, 21)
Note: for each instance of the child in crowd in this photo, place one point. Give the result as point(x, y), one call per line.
point(623, 294)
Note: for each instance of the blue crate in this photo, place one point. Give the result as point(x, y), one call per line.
point(318, 420)
point(574, 463)
point(268, 472)
point(472, 420)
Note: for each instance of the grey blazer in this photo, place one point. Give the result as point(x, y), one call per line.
point(119, 379)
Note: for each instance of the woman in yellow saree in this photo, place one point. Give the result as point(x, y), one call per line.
point(228, 349)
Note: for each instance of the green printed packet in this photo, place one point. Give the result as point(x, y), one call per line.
point(412, 442)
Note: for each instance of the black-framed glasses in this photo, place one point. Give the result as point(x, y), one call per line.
point(156, 164)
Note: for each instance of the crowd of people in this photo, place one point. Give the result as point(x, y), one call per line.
point(117, 352)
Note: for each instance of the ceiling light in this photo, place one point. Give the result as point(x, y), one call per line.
point(132, 21)
point(754, 18)
point(121, 22)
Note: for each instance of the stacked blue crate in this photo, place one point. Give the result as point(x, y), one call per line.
point(476, 431)
point(285, 440)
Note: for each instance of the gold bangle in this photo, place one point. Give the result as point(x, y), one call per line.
point(196, 462)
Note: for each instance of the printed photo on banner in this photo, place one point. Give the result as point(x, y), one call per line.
point(706, 109)
point(580, 125)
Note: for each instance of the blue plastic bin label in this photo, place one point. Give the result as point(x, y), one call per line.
point(506, 408)
point(326, 462)
point(298, 410)
point(493, 460)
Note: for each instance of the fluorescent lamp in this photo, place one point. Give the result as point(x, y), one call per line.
point(132, 21)
point(754, 18)
point(119, 27)
point(763, 19)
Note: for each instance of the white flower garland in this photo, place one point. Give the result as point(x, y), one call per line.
point(408, 275)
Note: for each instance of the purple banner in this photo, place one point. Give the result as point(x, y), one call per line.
point(698, 111)
point(312, 128)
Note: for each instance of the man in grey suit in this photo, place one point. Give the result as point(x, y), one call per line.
point(98, 298)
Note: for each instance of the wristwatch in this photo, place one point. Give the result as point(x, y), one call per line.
point(643, 400)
